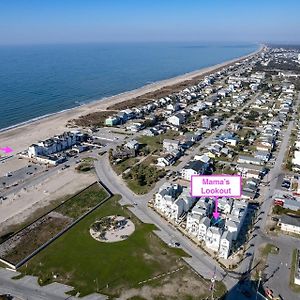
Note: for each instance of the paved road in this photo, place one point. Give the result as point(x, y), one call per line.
point(20, 175)
point(27, 288)
point(279, 265)
point(201, 262)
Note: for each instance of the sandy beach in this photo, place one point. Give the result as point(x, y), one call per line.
point(19, 138)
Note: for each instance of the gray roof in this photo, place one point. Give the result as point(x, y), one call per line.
point(227, 235)
point(250, 167)
point(171, 141)
point(249, 158)
point(195, 165)
point(292, 204)
point(205, 221)
point(285, 219)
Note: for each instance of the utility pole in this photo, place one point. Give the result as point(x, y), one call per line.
point(212, 286)
point(97, 286)
point(258, 284)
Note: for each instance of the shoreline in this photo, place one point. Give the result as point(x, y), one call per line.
point(13, 136)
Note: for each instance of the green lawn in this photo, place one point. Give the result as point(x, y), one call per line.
point(142, 177)
point(124, 165)
point(154, 143)
point(34, 236)
point(82, 202)
point(269, 249)
point(294, 287)
point(82, 262)
point(137, 188)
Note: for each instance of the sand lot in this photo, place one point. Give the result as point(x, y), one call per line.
point(12, 164)
point(17, 208)
point(121, 233)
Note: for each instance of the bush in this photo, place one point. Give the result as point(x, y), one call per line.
point(84, 167)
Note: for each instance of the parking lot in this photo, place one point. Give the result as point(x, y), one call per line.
point(15, 177)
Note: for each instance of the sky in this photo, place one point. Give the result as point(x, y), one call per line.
point(74, 21)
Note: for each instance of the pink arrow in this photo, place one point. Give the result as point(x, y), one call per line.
point(216, 214)
point(6, 150)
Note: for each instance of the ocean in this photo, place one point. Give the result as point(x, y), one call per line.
point(39, 80)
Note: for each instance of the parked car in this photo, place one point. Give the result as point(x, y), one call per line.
point(286, 184)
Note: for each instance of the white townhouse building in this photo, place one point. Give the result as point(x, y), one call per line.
point(225, 244)
point(176, 119)
point(192, 223)
point(213, 238)
point(173, 107)
point(218, 237)
point(232, 227)
point(235, 220)
point(173, 201)
point(166, 193)
point(182, 204)
point(199, 211)
point(56, 144)
point(203, 227)
point(225, 205)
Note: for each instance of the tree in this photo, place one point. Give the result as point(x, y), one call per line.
point(253, 115)
point(237, 119)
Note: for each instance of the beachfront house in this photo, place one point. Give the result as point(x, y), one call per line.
point(112, 121)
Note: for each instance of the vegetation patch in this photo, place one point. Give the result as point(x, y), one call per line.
point(269, 249)
point(114, 268)
point(123, 165)
point(155, 143)
point(23, 243)
point(82, 202)
point(293, 286)
point(86, 164)
point(95, 119)
point(279, 210)
point(142, 177)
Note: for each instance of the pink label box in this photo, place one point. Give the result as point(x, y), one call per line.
point(216, 186)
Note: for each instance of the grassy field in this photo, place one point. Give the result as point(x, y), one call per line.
point(43, 229)
point(294, 287)
point(137, 188)
point(88, 265)
point(269, 249)
point(142, 177)
point(82, 202)
point(154, 143)
point(124, 165)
